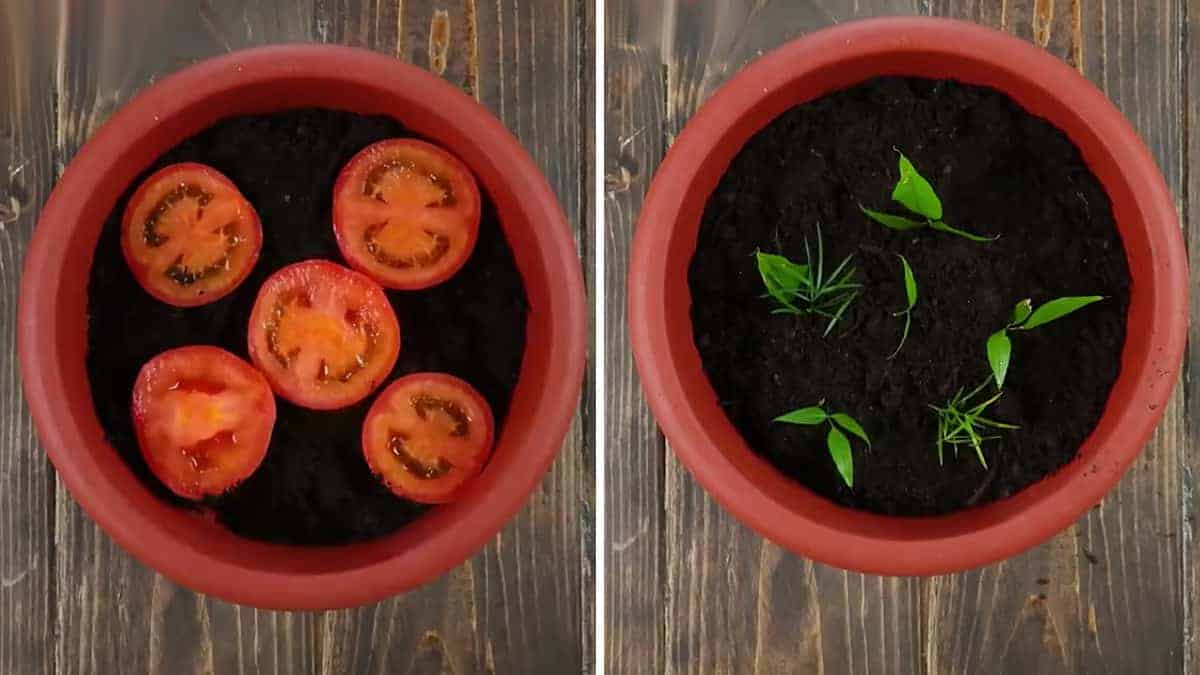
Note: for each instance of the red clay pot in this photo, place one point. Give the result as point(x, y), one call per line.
point(685, 404)
point(52, 337)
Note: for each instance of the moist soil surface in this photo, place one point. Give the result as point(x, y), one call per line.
point(999, 171)
point(314, 486)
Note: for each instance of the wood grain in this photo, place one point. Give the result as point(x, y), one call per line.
point(521, 606)
point(634, 452)
point(26, 481)
point(71, 601)
point(1106, 596)
point(1191, 373)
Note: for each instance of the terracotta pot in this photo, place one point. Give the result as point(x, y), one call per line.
point(685, 404)
point(52, 338)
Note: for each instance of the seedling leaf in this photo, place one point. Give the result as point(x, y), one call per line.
point(806, 289)
point(839, 450)
point(1057, 309)
point(910, 283)
point(943, 227)
point(915, 193)
point(888, 220)
point(1021, 312)
point(851, 425)
point(809, 416)
point(999, 352)
point(910, 293)
point(781, 276)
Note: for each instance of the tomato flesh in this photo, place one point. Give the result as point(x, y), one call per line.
point(203, 419)
point(325, 336)
point(406, 213)
point(427, 436)
point(189, 236)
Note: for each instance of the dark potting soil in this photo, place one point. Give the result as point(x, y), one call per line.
point(314, 486)
point(999, 171)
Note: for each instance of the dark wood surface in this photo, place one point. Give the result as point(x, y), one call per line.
point(71, 601)
point(691, 590)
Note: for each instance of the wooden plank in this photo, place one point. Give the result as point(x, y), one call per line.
point(1106, 595)
point(730, 602)
point(110, 614)
point(1191, 374)
point(736, 603)
point(26, 482)
point(524, 604)
point(634, 452)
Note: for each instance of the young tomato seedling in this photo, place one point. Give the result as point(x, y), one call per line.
point(839, 425)
point(961, 422)
point(1025, 317)
point(915, 193)
point(910, 294)
point(805, 289)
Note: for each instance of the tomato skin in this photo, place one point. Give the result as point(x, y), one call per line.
point(203, 419)
point(460, 221)
point(451, 462)
point(157, 282)
point(326, 295)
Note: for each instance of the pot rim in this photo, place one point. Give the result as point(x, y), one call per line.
point(685, 405)
point(302, 577)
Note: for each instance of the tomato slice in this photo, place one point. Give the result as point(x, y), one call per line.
point(203, 419)
point(406, 213)
point(427, 435)
point(189, 235)
point(324, 335)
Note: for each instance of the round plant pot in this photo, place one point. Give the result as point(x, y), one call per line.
point(684, 401)
point(53, 325)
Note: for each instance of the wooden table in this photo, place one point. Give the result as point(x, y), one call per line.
point(71, 601)
point(690, 590)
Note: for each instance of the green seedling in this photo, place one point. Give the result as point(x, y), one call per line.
point(836, 441)
point(805, 289)
point(915, 193)
point(910, 294)
point(961, 422)
point(1025, 317)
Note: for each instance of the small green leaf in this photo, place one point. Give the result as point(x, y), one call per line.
point(910, 283)
point(851, 425)
point(915, 193)
point(809, 416)
point(1021, 312)
point(1058, 308)
point(894, 222)
point(839, 450)
point(999, 352)
point(781, 276)
point(943, 227)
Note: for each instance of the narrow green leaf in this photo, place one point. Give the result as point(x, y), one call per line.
point(910, 283)
point(851, 425)
point(943, 227)
point(781, 276)
point(899, 223)
point(1021, 312)
point(841, 310)
point(839, 450)
point(915, 193)
point(809, 416)
point(903, 335)
point(1058, 308)
point(999, 352)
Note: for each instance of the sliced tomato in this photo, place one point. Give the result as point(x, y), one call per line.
point(427, 435)
point(189, 235)
point(324, 335)
point(406, 213)
point(203, 419)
